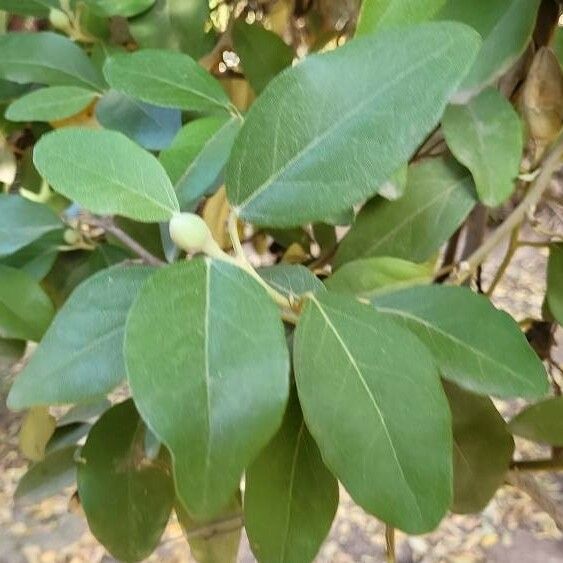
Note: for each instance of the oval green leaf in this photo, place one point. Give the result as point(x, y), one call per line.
point(81, 355)
point(486, 136)
point(554, 293)
point(127, 498)
point(167, 79)
point(291, 280)
point(123, 8)
point(542, 422)
point(476, 346)
point(286, 166)
point(25, 309)
point(290, 497)
point(117, 178)
point(372, 399)
point(214, 389)
point(438, 198)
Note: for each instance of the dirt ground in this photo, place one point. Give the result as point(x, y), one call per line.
point(510, 530)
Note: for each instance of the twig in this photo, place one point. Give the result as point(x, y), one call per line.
point(550, 164)
point(528, 484)
point(510, 251)
point(547, 464)
point(110, 227)
point(390, 543)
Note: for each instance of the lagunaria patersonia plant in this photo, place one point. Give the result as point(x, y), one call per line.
point(156, 160)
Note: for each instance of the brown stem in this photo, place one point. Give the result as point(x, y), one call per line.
point(547, 464)
point(510, 251)
point(390, 544)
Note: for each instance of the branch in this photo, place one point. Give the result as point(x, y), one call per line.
point(110, 227)
point(547, 464)
point(550, 165)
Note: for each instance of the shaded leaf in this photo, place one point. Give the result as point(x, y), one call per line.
point(370, 276)
point(124, 8)
point(475, 345)
point(67, 435)
point(438, 198)
point(25, 309)
point(28, 7)
point(286, 164)
point(117, 178)
point(23, 222)
point(483, 449)
point(81, 355)
point(291, 279)
point(208, 311)
point(263, 53)
point(486, 136)
point(85, 412)
point(290, 496)
point(554, 293)
point(11, 352)
point(46, 58)
point(542, 422)
point(150, 126)
point(50, 104)
point(372, 399)
point(127, 498)
point(167, 79)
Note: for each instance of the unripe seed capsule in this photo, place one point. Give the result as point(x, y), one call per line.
point(190, 232)
point(58, 19)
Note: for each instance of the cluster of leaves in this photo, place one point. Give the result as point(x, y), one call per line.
point(374, 376)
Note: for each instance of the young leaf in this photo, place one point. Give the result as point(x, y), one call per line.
point(483, 449)
point(50, 104)
point(555, 282)
point(286, 165)
point(372, 399)
point(475, 345)
point(23, 222)
point(263, 54)
point(486, 136)
point(36, 430)
point(167, 79)
point(290, 496)
point(81, 355)
point(176, 25)
point(46, 58)
point(506, 27)
point(370, 276)
point(25, 309)
point(221, 546)
point(542, 422)
point(196, 158)
point(123, 8)
point(438, 198)
point(291, 280)
point(126, 497)
point(380, 14)
point(225, 390)
point(117, 178)
point(150, 126)
point(47, 477)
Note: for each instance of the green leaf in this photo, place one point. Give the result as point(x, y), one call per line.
point(291, 279)
point(25, 309)
point(50, 104)
point(475, 345)
point(290, 496)
point(123, 8)
point(483, 449)
point(23, 221)
point(126, 497)
point(542, 422)
point(11, 351)
point(225, 392)
point(150, 126)
point(176, 25)
point(394, 188)
point(380, 14)
point(438, 198)
point(506, 27)
point(117, 178)
point(85, 412)
point(46, 58)
point(39, 8)
point(67, 435)
point(37, 258)
point(47, 477)
point(286, 165)
point(167, 79)
point(486, 136)
point(371, 276)
point(263, 54)
point(373, 402)
point(81, 355)
point(220, 546)
point(554, 293)
point(196, 158)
